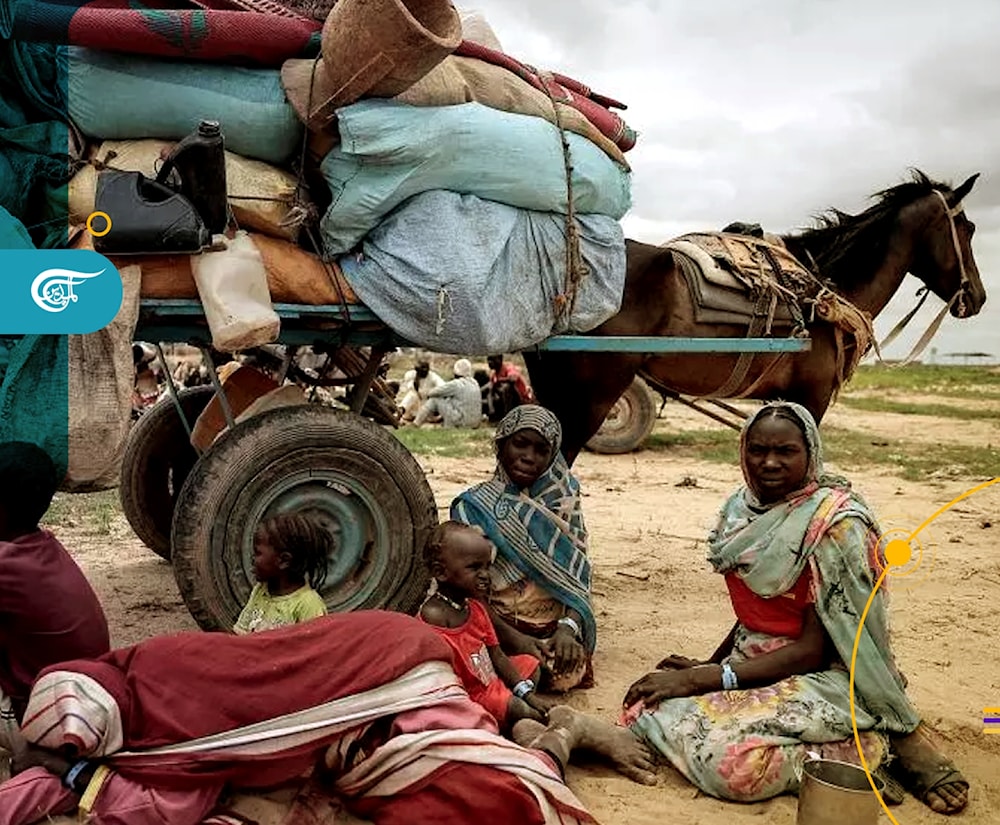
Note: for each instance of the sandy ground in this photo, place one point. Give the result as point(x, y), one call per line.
point(648, 514)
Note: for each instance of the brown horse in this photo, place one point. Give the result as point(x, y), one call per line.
point(917, 227)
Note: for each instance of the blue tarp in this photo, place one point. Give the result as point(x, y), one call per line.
point(455, 273)
point(390, 151)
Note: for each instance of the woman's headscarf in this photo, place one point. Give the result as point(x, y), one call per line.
point(770, 545)
point(528, 417)
point(815, 472)
point(765, 543)
point(538, 532)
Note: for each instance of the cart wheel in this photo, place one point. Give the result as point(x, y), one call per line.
point(348, 472)
point(157, 458)
point(629, 422)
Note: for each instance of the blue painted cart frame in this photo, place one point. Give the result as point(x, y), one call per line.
point(182, 320)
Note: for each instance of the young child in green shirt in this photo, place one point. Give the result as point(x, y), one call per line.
point(290, 555)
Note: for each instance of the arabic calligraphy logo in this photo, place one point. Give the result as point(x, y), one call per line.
point(52, 289)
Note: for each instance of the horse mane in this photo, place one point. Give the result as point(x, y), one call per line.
point(847, 249)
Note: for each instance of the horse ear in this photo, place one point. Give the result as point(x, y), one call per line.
point(958, 195)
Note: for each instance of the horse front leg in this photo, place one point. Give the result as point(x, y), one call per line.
point(580, 388)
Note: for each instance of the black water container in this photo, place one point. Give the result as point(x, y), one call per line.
point(200, 160)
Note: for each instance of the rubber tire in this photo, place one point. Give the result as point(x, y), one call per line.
point(628, 424)
point(155, 463)
point(272, 463)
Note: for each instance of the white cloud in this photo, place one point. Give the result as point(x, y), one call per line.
point(774, 110)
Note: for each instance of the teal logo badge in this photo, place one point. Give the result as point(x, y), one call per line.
point(57, 292)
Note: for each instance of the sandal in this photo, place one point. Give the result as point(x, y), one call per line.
point(923, 770)
point(893, 793)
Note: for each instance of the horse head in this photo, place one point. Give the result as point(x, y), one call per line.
point(942, 255)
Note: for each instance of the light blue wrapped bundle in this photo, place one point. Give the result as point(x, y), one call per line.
point(125, 97)
point(454, 273)
point(391, 151)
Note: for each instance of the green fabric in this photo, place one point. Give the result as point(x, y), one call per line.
point(34, 377)
point(34, 196)
point(831, 529)
point(34, 138)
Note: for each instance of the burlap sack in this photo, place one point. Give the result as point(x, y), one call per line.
point(101, 382)
point(260, 195)
point(458, 80)
point(294, 276)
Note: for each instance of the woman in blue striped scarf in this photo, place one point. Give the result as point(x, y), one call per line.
point(530, 510)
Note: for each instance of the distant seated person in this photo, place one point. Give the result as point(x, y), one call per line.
point(459, 558)
point(458, 402)
point(48, 611)
point(290, 555)
point(415, 387)
point(506, 389)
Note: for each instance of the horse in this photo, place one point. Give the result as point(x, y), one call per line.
point(917, 227)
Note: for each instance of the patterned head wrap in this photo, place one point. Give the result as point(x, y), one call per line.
point(71, 709)
point(815, 471)
point(530, 417)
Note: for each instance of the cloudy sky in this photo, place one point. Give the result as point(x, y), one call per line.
point(773, 110)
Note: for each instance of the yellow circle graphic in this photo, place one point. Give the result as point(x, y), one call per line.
point(90, 224)
point(898, 553)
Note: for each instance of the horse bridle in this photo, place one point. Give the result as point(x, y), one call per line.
point(958, 298)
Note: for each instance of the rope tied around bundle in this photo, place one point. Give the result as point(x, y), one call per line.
point(576, 269)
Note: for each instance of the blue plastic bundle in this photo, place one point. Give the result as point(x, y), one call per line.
point(124, 97)
point(391, 151)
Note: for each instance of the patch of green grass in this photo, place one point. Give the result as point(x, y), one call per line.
point(912, 460)
point(938, 410)
point(719, 445)
point(851, 450)
point(927, 379)
point(92, 512)
point(447, 442)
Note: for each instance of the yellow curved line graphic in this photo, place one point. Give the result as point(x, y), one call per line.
point(953, 502)
point(861, 626)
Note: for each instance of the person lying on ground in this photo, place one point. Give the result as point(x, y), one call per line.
point(800, 552)
point(540, 579)
point(290, 555)
point(48, 610)
point(458, 558)
point(367, 702)
point(458, 402)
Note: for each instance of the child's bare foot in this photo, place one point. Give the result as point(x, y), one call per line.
point(526, 731)
point(570, 730)
point(518, 709)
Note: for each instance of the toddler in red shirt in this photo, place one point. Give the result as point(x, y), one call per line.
point(459, 558)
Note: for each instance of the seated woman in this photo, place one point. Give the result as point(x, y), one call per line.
point(800, 553)
point(530, 510)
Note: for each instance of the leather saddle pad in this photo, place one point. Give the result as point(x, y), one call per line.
point(733, 278)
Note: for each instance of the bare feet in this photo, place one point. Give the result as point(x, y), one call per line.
point(928, 774)
point(570, 730)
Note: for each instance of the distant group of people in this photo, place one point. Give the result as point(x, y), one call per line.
point(455, 715)
point(467, 399)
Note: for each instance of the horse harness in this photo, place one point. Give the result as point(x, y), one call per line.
point(745, 280)
point(958, 298)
